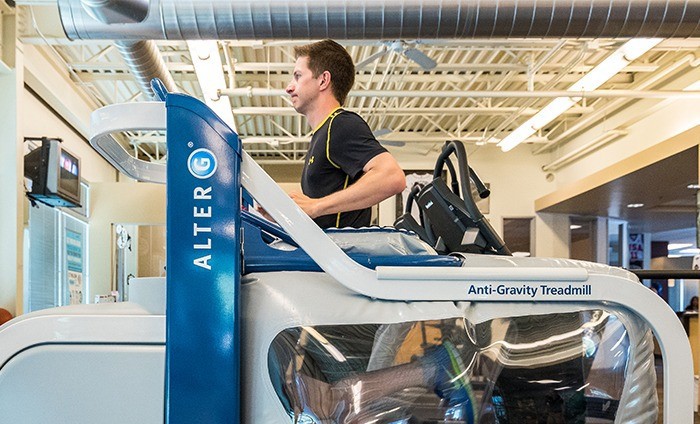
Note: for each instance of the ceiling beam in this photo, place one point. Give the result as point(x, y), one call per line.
point(637, 94)
point(289, 111)
point(101, 75)
point(286, 67)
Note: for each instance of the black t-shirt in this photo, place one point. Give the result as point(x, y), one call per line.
point(340, 148)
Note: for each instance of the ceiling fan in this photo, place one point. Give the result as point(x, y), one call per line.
point(385, 131)
point(400, 47)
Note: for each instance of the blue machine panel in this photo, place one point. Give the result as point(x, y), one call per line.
point(203, 265)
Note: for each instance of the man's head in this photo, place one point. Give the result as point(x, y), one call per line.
point(327, 59)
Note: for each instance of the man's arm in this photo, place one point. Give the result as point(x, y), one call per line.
point(382, 178)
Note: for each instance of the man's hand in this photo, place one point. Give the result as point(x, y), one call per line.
point(264, 213)
point(306, 203)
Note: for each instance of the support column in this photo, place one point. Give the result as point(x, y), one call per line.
point(11, 169)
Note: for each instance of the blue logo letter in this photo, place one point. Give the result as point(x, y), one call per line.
point(202, 163)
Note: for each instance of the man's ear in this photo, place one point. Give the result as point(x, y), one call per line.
point(324, 80)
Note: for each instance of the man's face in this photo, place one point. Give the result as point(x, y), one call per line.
point(303, 88)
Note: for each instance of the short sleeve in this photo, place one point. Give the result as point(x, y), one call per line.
point(351, 144)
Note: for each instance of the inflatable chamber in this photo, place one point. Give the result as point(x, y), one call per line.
point(328, 355)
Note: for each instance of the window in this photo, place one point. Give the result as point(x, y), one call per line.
point(56, 256)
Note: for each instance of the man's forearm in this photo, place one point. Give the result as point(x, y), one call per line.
point(382, 178)
point(368, 191)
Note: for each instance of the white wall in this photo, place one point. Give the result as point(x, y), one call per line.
point(52, 82)
point(132, 203)
point(54, 85)
point(11, 183)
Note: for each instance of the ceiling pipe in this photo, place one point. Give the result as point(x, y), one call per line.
point(129, 20)
point(383, 19)
point(141, 56)
point(395, 137)
point(460, 69)
point(145, 63)
point(117, 11)
point(476, 94)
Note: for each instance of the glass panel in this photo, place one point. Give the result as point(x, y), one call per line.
point(583, 239)
point(139, 251)
point(618, 252)
point(517, 234)
point(75, 259)
point(563, 368)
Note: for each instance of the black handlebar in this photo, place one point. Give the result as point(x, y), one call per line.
point(664, 274)
point(417, 187)
point(453, 176)
point(466, 177)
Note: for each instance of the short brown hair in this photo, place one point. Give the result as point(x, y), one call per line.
point(327, 55)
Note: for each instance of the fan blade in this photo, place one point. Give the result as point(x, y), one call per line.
point(371, 59)
point(381, 132)
point(384, 131)
point(392, 143)
point(420, 58)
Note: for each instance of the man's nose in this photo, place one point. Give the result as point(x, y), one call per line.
point(290, 88)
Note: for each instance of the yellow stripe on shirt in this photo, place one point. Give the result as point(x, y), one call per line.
point(335, 113)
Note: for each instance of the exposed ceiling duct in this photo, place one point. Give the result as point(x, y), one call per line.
point(141, 56)
point(117, 11)
point(145, 63)
point(383, 19)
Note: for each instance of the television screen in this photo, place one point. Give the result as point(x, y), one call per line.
point(69, 176)
point(55, 174)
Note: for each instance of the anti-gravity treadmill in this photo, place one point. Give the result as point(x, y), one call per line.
point(211, 352)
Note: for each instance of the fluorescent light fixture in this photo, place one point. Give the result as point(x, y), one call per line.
point(575, 227)
point(596, 77)
point(551, 111)
point(693, 87)
point(635, 205)
point(694, 186)
point(518, 135)
point(676, 246)
point(673, 256)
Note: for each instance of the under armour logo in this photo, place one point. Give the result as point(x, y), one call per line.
point(311, 160)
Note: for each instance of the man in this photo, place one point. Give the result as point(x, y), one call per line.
point(346, 170)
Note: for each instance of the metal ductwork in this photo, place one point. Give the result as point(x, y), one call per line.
point(142, 57)
point(145, 63)
point(388, 19)
point(117, 11)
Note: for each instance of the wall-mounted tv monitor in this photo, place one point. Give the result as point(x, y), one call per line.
point(55, 174)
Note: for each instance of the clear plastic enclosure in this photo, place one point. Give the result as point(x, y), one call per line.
point(556, 368)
